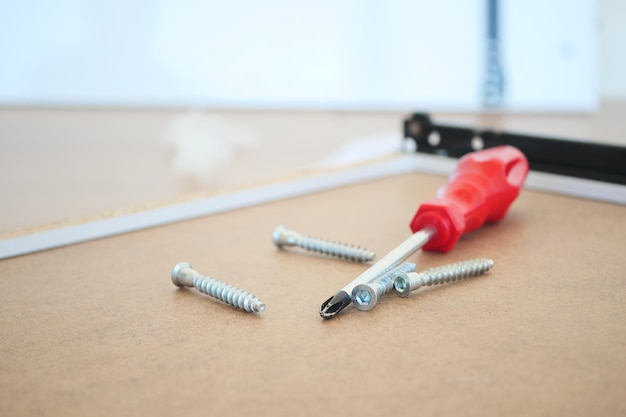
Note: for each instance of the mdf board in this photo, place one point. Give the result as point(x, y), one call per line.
point(98, 328)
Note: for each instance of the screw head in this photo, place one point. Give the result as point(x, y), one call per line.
point(402, 284)
point(277, 235)
point(364, 297)
point(176, 271)
point(283, 236)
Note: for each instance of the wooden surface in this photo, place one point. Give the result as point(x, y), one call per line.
point(99, 329)
point(58, 165)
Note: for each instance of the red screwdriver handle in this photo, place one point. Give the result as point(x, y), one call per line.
point(481, 189)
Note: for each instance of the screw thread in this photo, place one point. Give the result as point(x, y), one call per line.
point(227, 293)
point(336, 249)
point(405, 283)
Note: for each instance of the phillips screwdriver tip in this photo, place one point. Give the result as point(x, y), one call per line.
point(335, 304)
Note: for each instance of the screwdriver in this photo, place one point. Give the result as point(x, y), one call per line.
point(480, 190)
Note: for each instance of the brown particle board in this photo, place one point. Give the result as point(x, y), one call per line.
point(99, 329)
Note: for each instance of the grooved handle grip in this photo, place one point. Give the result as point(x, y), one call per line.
point(481, 189)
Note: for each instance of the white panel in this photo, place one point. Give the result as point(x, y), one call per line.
point(336, 54)
point(549, 54)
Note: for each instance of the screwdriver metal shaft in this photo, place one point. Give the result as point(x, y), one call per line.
point(342, 298)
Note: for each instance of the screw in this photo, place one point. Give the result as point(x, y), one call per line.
point(285, 237)
point(183, 275)
point(406, 282)
point(365, 296)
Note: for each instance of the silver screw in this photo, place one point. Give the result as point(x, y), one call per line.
point(183, 275)
point(285, 237)
point(365, 296)
point(404, 283)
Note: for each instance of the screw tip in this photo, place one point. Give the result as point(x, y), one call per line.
point(176, 271)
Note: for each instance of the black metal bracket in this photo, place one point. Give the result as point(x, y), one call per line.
point(600, 162)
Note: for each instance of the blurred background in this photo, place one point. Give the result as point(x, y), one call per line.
point(327, 54)
point(113, 105)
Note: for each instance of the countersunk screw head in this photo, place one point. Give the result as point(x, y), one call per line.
point(283, 236)
point(365, 297)
point(176, 271)
point(402, 284)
